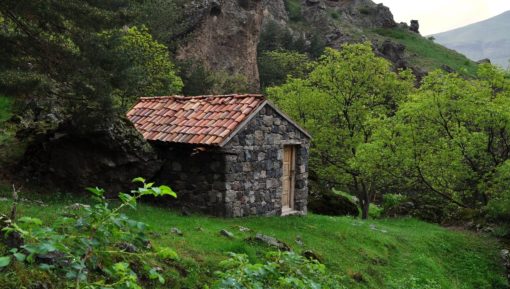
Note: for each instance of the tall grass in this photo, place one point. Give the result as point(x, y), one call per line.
point(427, 54)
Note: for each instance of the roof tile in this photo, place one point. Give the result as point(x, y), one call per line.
point(205, 120)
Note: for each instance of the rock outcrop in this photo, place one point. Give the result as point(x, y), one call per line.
point(226, 38)
point(225, 33)
point(415, 26)
point(73, 157)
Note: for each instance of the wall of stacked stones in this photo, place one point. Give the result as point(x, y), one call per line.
point(196, 175)
point(253, 166)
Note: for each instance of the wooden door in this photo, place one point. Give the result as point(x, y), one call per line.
point(288, 177)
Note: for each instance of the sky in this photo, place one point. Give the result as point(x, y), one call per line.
point(442, 15)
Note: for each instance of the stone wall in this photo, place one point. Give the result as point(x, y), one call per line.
point(196, 175)
point(254, 166)
point(245, 176)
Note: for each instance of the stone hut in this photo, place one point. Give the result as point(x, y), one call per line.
point(228, 155)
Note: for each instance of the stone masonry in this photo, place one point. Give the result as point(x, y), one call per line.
point(244, 177)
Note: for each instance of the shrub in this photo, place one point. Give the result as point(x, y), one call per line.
point(392, 200)
point(280, 270)
point(374, 211)
point(96, 247)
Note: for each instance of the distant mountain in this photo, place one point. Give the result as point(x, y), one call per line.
point(486, 39)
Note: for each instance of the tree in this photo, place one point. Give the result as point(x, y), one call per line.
point(276, 66)
point(451, 139)
point(340, 103)
point(75, 53)
point(143, 66)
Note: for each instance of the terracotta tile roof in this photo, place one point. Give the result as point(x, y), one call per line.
point(206, 120)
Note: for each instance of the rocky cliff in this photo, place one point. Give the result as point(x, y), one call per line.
point(225, 33)
point(226, 37)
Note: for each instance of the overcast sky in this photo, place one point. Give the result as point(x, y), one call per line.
point(443, 15)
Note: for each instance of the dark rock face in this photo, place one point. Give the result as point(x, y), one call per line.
point(72, 157)
point(393, 52)
point(328, 203)
point(415, 26)
point(447, 68)
point(484, 61)
point(274, 10)
point(351, 13)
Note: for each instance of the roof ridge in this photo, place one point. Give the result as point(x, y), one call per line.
point(204, 96)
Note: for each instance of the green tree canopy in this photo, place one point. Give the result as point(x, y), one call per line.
point(76, 53)
point(451, 139)
point(142, 66)
point(340, 103)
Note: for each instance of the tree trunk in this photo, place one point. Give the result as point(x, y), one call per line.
point(364, 204)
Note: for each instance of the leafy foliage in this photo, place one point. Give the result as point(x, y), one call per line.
point(143, 66)
point(340, 103)
point(199, 80)
point(449, 140)
point(280, 270)
point(276, 66)
point(74, 52)
point(95, 239)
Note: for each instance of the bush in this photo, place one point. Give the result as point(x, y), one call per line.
point(391, 200)
point(374, 211)
point(93, 246)
point(280, 270)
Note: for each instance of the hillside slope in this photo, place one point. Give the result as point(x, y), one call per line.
point(486, 39)
point(225, 34)
point(391, 254)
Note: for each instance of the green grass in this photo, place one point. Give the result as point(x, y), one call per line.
point(426, 54)
point(382, 251)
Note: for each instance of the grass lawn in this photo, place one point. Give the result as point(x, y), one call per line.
point(381, 251)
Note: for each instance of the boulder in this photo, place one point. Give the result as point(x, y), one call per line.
point(84, 153)
point(484, 61)
point(331, 204)
point(415, 26)
point(176, 231)
point(393, 52)
point(270, 241)
point(311, 255)
point(447, 68)
point(227, 234)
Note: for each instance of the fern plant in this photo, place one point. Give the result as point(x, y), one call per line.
point(94, 247)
